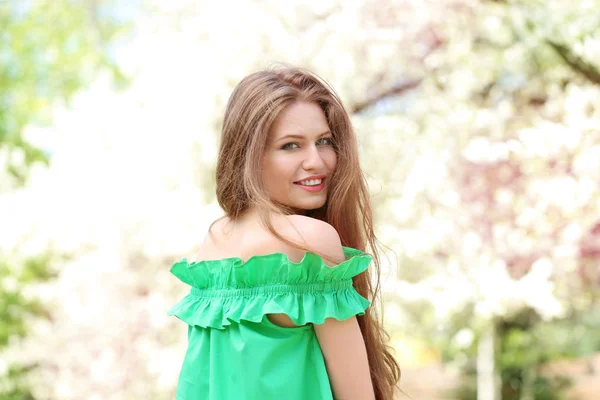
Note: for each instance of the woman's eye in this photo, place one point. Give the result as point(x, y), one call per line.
point(325, 141)
point(290, 146)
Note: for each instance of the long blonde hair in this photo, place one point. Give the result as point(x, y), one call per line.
point(253, 107)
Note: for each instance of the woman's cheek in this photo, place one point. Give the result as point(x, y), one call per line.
point(332, 160)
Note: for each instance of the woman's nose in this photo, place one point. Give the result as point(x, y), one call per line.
point(313, 159)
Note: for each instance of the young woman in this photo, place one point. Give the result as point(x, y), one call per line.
point(278, 307)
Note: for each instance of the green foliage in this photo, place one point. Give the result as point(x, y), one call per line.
point(49, 50)
point(15, 306)
point(525, 345)
point(14, 385)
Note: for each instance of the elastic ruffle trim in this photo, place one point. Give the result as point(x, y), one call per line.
point(230, 290)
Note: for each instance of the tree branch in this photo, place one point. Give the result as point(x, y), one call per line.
point(434, 41)
point(392, 91)
point(578, 64)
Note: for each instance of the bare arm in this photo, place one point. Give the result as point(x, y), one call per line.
point(346, 359)
point(341, 341)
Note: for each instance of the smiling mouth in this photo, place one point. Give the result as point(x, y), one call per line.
point(311, 182)
point(312, 185)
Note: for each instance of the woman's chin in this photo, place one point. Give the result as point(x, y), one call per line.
point(309, 205)
point(303, 205)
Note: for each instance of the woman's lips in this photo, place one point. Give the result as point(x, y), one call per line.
point(314, 188)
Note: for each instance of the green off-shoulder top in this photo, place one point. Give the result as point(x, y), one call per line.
point(234, 351)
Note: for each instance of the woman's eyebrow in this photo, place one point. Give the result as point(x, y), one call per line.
point(300, 137)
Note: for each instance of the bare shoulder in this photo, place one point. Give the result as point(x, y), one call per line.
point(212, 238)
point(315, 229)
point(317, 235)
point(249, 238)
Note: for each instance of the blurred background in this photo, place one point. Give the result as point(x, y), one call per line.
point(479, 127)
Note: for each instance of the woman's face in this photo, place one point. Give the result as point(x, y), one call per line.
point(299, 157)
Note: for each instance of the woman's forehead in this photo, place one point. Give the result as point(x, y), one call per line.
point(300, 118)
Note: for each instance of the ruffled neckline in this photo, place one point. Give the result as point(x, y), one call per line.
point(267, 268)
point(231, 289)
point(349, 253)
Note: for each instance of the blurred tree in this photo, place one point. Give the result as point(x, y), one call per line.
point(498, 207)
point(49, 50)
